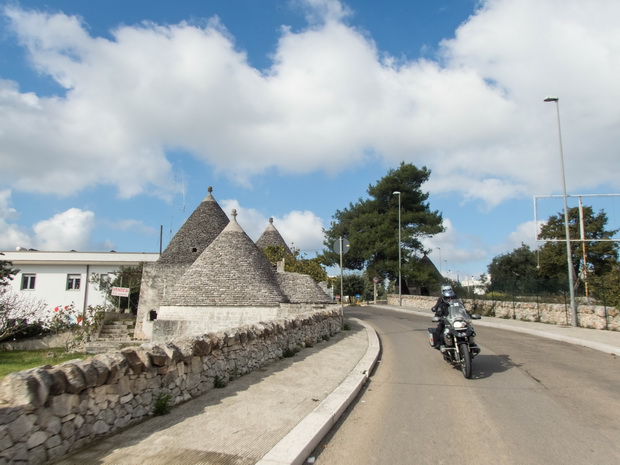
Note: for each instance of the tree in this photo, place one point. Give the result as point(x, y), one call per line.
point(514, 272)
point(296, 263)
point(353, 284)
point(19, 313)
point(371, 225)
point(6, 272)
point(606, 288)
point(126, 276)
point(600, 256)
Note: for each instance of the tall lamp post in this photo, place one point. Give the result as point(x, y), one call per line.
point(400, 296)
point(569, 255)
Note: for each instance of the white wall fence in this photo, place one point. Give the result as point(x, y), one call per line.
point(588, 316)
point(48, 412)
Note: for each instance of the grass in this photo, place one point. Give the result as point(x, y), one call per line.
point(162, 404)
point(219, 382)
point(18, 360)
point(288, 352)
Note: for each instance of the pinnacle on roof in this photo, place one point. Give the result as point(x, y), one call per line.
point(232, 271)
point(200, 229)
point(271, 237)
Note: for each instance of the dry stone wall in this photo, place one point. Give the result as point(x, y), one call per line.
point(588, 316)
point(48, 412)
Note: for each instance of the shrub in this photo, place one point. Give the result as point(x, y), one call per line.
point(162, 404)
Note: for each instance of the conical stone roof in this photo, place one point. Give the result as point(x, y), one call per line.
point(200, 229)
point(271, 237)
point(302, 289)
point(232, 271)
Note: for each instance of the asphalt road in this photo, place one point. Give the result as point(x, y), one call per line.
point(530, 401)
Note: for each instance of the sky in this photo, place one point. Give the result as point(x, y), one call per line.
point(116, 116)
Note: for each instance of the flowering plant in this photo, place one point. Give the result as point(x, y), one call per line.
point(73, 323)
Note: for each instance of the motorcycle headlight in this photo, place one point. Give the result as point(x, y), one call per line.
point(459, 324)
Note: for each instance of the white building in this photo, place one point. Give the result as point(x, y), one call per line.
point(63, 278)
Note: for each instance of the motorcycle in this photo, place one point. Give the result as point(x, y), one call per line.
point(457, 339)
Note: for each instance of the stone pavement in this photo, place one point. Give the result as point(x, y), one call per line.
point(278, 415)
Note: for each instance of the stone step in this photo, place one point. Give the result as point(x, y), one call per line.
point(115, 337)
point(101, 347)
point(120, 323)
point(116, 330)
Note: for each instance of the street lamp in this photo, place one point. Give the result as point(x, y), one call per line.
point(400, 296)
point(569, 255)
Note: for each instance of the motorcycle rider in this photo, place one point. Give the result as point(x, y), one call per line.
point(441, 310)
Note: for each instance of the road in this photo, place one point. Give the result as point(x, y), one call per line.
point(530, 401)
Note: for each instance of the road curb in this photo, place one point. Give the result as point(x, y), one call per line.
point(299, 443)
point(556, 337)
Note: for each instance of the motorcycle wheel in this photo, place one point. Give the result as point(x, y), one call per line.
point(465, 360)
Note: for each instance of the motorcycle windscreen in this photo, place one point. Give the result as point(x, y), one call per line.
point(457, 311)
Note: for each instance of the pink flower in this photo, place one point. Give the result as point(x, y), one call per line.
point(56, 309)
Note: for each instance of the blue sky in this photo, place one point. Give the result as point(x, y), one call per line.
point(116, 116)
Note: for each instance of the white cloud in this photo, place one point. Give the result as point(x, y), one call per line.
point(450, 249)
point(319, 11)
point(525, 233)
point(475, 115)
point(132, 225)
point(69, 230)
point(251, 220)
point(301, 230)
point(11, 236)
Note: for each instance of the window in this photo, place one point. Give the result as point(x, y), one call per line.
point(73, 281)
point(28, 281)
point(104, 281)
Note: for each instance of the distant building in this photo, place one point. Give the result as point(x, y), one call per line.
point(64, 278)
point(423, 288)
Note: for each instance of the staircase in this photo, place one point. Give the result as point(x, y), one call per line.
point(114, 335)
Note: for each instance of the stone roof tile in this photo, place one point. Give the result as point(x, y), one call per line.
point(271, 237)
point(200, 229)
point(232, 271)
point(301, 288)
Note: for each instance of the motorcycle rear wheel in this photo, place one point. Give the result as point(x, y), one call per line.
point(465, 360)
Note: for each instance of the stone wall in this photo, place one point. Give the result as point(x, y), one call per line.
point(187, 321)
point(37, 343)
point(588, 316)
point(48, 412)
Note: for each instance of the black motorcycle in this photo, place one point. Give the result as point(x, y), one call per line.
point(457, 340)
